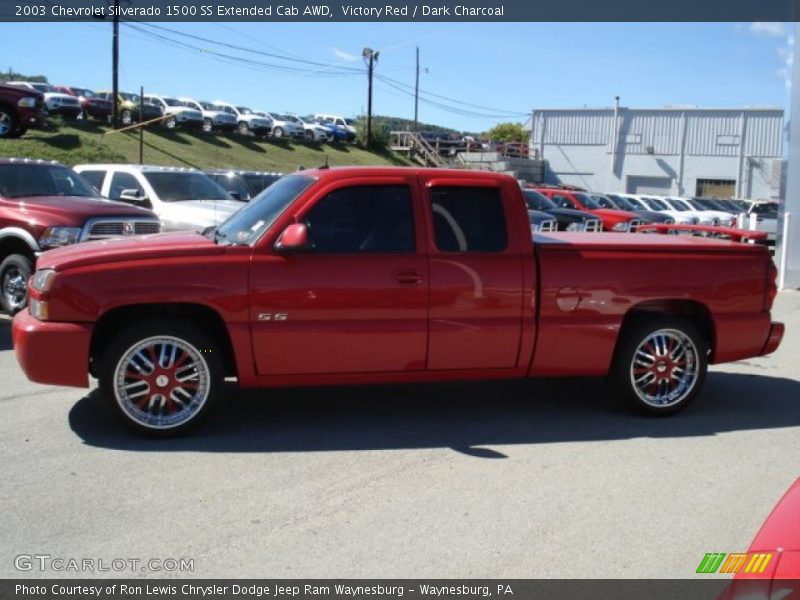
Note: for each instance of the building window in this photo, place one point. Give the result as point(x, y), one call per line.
point(633, 138)
point(727, 140)
point(716, 188)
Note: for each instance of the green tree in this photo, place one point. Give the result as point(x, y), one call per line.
point(507, 132)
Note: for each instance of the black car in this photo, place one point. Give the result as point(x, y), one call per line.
point(233, 183)
point(541, 221)
point(566, 218)
point(623, 203)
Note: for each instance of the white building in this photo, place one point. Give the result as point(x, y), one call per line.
point(679, 151)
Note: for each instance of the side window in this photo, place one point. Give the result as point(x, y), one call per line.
point(376, 218)
point(121, 182)
point(468, 219)
point(563, 202)
point(95, 178)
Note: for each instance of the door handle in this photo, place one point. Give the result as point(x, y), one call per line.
point(408, 276)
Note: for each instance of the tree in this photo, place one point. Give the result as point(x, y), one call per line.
point(12, 75)
point(507, 132)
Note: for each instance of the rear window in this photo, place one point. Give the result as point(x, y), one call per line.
point(468, 219)
point(21, 180)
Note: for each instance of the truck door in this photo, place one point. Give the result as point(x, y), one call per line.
point(476, 279)
point(357, 300)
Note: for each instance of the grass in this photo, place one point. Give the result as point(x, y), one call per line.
point(78, 142)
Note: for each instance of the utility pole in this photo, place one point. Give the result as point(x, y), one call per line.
point(370, 57)
point(416, 96)
point(115, 68)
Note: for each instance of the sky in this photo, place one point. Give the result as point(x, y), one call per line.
point(473, 75)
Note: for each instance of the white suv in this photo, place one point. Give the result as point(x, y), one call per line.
point(175, 113)
point(213, 118)
point(284, 125)
point(55, 102)
point(247, 120)
point(184, 199)
point(313, 132)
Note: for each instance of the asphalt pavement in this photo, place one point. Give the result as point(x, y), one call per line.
point(547, 478)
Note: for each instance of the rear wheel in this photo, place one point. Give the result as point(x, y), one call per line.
point(208, 126)
point(660, 365)
point(160, 377)
point(277, 132)
point(309, 135)
point(14, 273)
point(127, 117)
point(171, 123)
point(8, 122)
point(243, 128)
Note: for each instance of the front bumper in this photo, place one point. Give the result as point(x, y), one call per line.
point(51, 352)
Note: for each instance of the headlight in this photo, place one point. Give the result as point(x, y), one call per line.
point(621, 226)
point(43, 280)
point(53, 237)
point(576, 227)
point(27, 102)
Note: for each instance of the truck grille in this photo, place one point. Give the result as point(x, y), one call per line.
point(634, 224)
point(551, 225)
point(593, 225)
point(99, 229)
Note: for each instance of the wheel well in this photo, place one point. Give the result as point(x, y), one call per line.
point(695, 312)
point(204, 318)
point(15, 245)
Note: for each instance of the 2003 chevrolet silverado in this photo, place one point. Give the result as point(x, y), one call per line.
point(376, 275)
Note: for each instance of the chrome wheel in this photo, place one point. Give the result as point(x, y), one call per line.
point(664, 369)
point(162, 382)
point(14, 291)
point(7, 124)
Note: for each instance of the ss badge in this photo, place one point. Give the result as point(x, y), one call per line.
point(272, 316)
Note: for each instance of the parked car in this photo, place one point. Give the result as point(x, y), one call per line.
point(92, 105)
point(567, 219)
point(421, 275)
point(444, 143)
point(336, 133)
point(541, 222)
point(55, 102)
point(621, 202)
point(258, 181)
point(613, 219)
point(20, 108)
point(285, 126)
point(682, 217)
point(213, 117)
point(175, 113)
point(312, 131)
point(232, 182)
point(45, 205)
point(704, 217)
point(766, 212)
point(184, 199)
point(723, 216)
point(348, 126)
point(131, 108)
point(247, 121)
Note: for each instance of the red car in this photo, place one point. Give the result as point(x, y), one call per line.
point(613, 220)
point(20, 108)
point(91, 104)
point(378, 275)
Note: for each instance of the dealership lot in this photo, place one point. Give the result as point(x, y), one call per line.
point(509, 479)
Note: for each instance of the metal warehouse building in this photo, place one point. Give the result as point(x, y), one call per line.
point(678, 151)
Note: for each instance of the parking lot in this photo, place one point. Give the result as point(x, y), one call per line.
point(511, 479)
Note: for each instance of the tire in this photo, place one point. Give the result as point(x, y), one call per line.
point(208, 126)
point(309, 136)
point(277, 132)
point(243, 128)
point(660, 365)
point(15, 270)
point(171, 123)
point(8, 122)
point(151, 357)
point(127, 117)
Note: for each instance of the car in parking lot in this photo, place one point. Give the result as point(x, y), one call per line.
point(92, 105)
point(44, 205)
point(213, 117)
point(176, 114)
point(55, 102)
point(131, 108)
point(286, 126)
point(247, 120)
point(766, 212)
point(682, 217)
point(613, 219)
point(312, 131)
point(541, 222)
point(621, 202)
point(346, 127)
point(567, 219)
point(232, 182)
point(184, 199)
point(20, 109)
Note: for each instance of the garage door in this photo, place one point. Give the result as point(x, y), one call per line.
point(660, 186)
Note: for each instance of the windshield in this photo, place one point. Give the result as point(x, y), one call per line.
point(655, 204)
point(172, 102)
point(696, 205)
point(677, 204)
point(537, 201)
point(247, 225)
point(173, 186)
point(588, 201)
point(42, 87)
point(131, 97)
point(18, 181)
point(186, 103)
point(84, 93)
point(244, 110)
point(350, 121)
point(607, 202)
point(625, 203)
point(233, 184)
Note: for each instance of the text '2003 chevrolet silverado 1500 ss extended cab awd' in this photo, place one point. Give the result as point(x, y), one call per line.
point(376, 275)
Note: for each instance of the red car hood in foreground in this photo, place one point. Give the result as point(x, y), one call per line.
point(161, 245)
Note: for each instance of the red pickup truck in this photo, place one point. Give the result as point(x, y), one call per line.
point(377, 275)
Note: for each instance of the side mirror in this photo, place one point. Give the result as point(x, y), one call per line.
point(134, 197)
point(294, 237)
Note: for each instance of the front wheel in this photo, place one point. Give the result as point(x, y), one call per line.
point(208, 126)
point(243, 128)
point(127, 117)
point(277, 132)
point(14, 273)
point(171, 123)
point(8, 122)
point(660, 365)
point(160, 377)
